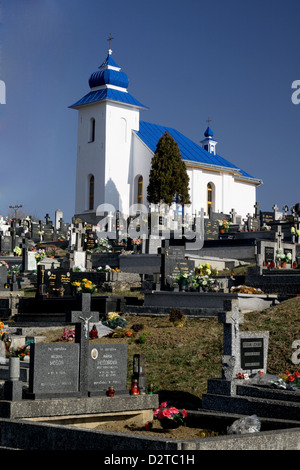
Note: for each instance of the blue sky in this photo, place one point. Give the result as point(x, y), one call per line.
point(233, 61)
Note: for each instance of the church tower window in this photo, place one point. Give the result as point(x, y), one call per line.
point(91, 192)
point(92, 130)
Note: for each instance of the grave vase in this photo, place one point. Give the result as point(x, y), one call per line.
point(283, 265)
point(167, 423)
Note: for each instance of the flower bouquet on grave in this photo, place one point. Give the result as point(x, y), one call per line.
point(288, 258)
point(291, 379)
point(17, 251)
point(224, 225)
point(203, 269)
point(40, 255)
point(15, 269)
point(85, 286)
point(182, 279)
point(169, 417)
point(3, 263)
point(23, 352)
point(113, 321)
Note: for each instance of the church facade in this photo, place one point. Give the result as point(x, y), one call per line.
point(115, 149)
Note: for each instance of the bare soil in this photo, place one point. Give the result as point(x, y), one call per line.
point(156, 430)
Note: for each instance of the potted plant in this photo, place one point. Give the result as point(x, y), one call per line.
point(169, 417)
point(224, 226)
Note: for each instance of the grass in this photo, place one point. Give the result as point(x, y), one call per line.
point(180, 360)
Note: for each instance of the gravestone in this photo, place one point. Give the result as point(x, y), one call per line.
point(107, 367)
point(90, 240)
point(6, 244)
point(2, 352)
point(54, 370)
point(266, 218)
point(173, 262)
point(51, 281)
point(29, 260)
point(3, 278)
point(245, 352)
point(211, 229)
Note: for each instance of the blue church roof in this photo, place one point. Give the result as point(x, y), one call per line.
point(106, 77)
point(108, 94)
point(190, 151)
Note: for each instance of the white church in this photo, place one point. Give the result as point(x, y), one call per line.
point(115, 149)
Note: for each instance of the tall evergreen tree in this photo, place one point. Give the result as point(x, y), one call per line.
point(168, 180)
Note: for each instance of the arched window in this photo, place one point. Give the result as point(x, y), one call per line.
point(209, 207)
point(140, 190)
point(92, 130)
point(91, 192)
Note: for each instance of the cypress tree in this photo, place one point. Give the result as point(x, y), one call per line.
point(168, 180)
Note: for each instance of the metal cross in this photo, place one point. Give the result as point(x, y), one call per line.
point(110, 39)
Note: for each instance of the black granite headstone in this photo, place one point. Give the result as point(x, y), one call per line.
point(269, 254)
point(252, 353)
point(90, 240)
point(266, 218)
point(211, 229)
point(55, 279)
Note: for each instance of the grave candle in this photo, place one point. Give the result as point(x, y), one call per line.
point(134, 387)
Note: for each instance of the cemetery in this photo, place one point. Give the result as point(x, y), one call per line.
point(96, 293)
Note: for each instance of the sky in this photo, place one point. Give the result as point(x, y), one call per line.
point(231, 61)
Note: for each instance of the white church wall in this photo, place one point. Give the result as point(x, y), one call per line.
point(243, 198)
point(141, 165)
point(118, 167)
point(227, 192)
point(90, 156)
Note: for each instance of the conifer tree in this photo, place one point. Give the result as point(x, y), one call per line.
point(168, 180)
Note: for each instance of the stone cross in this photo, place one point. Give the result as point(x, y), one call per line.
point(275, 209)
point(79, 231)
point(279, 236)
point(256, 207)
point(82, 318)
point(233, 216)
point(231, 321)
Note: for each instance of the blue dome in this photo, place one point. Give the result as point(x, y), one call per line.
point(208, 132)
point(108, 77)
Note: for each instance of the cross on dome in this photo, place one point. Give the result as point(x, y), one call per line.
point(110, 39)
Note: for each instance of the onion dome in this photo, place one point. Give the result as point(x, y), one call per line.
point(109, 74)
point(108, 77)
